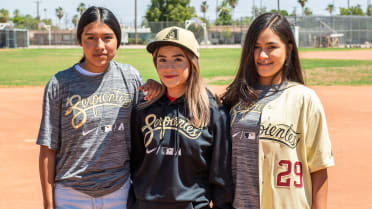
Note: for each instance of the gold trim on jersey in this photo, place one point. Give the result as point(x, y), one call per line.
point(81, 105)
point(282, 133)
point(182, 125)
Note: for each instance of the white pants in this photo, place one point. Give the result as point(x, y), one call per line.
point(68, 198)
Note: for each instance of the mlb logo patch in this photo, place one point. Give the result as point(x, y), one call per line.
point(107, 128)
point(250, 135)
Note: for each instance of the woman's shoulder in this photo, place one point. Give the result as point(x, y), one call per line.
point(124, 67)
point(63, 75)
point(303, 93)
point(299, 89)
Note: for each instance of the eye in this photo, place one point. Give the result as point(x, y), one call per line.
point(161, 60)
point(90, 38)
point(178, 59)
point(108, 37)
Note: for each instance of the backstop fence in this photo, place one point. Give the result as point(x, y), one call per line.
point(333, 31)
point(13, 38)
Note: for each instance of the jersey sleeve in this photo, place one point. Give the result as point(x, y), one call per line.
point(137, 150)
point(138, 82)
point(318, 144)
point(49, 132)
point(220, 177)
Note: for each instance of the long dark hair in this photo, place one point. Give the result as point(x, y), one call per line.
point(241, 89)
point(103, 15)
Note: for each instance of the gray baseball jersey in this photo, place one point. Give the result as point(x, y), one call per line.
point(86, 121)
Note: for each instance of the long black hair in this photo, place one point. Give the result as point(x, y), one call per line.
point(103, 15)
point(241, 89)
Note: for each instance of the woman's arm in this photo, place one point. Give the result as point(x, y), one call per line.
point(319, 181)
point(47, 161)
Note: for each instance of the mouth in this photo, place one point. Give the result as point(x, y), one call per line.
point(264, 63)
point(170, 76)
point(100, 55)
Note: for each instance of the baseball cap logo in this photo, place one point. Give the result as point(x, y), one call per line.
point(172, 35)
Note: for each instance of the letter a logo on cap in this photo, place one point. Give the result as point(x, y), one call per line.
point(172, 35)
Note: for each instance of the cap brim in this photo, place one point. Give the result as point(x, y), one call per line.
point(152, 46)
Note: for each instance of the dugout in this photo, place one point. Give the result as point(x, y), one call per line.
point(13, 37)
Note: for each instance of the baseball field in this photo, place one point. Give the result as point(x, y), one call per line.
point(341, 77)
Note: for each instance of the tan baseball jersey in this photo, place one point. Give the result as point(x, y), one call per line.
point(292, 142)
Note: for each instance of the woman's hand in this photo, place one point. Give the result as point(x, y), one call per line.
point(153, 89)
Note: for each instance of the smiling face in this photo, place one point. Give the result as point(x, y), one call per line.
point(173, 68)
point(269, 56)
point(99, 44)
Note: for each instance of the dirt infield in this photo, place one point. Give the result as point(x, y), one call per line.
point(349, 116)
point(365, 54)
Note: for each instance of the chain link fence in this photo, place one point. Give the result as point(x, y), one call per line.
point(13, 38)
point(54, 37)
point(227, 34)
point(313, 31)
point(333, 31)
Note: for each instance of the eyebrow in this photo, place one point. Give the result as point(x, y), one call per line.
point(89, 34)
point(177, 55)
point(269, 43)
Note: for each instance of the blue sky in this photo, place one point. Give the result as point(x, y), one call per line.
point(124, 9)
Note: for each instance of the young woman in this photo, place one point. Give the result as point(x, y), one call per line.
point(280, 143)
point(84, 133)
point(180, 147)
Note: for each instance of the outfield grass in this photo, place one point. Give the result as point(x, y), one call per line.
point(24, 67)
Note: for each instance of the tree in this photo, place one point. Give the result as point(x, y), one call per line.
point(308, 11)
point(204, 8)
point(369, 10)
point(75, 20)
point(4, 15)
point(16, 16)
point(282, 12)
point(81, 8)
point(224, 16)
point(353, 10)
point(232, 4)
point(330, 8)
point(258, 11)
point(169, 10)
point(302, 3)
point(59, 13)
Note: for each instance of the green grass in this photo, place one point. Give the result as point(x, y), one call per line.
point(25, 67)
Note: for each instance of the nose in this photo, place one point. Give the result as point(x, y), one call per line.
point(100, 43)
point(167, 66)
point(263, 54)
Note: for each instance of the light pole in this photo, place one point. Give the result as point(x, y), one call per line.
point(278, 6)
point(135, 21)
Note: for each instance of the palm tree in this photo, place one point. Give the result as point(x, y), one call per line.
point(224, 8)
point(75, 20)
point(204, 8)
point(81, 8)
point(302, 3)
point(330, 8)
point(59, 13)
point(232, 4)
point(307, 11)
